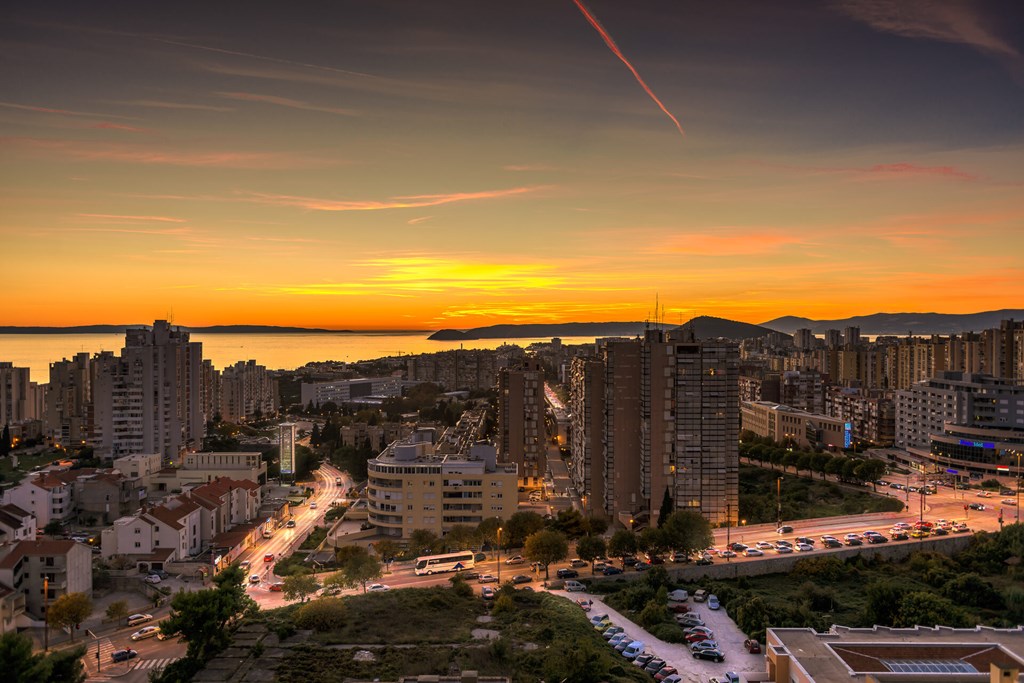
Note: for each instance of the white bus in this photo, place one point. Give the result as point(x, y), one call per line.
point(452, 562)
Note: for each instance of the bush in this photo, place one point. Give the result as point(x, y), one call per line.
point(670, 633)
point(504, 604)
point(829, 569)
point(325, 614)
point(654, 613)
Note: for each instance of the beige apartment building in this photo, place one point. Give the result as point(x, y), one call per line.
point(413, 484)
point(522, 434)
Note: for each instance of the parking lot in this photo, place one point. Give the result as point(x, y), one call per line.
point(728, 635)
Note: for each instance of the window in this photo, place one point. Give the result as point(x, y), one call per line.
point(137, 544)
point(138, 530)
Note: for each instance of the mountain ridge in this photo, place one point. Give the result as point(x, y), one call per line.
point(704, 327)
point(901, 323)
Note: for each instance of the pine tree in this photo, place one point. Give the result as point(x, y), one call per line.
point(666, 508)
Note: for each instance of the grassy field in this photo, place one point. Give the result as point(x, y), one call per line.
point(803, 498)
point(428, 631)
point(26, 463)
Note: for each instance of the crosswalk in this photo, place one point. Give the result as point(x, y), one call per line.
point(155, 663)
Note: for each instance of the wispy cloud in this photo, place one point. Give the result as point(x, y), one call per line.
point(111, 216)
point(159, 104)
point(727, 244)
point(60, 112)
point(107, 125)
point(950, 22)
point(433, 274)
point(158, 232)
point(417, 221)
point(285, 102)
point(528, 167)
point(403, 202)
point(126, 153)
point(894, 170)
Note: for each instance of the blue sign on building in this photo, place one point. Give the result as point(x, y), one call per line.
point(847, 435)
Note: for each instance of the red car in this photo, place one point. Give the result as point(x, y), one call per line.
point(269, 557)
point(277, 587)
point(753, 646)
point(665, 673)
point(696, 637)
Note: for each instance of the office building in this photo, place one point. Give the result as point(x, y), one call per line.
point(341, 391)
point(895, 655)
point(802, 429)
point(521, 413)
point(958, 398)
point(415, 484)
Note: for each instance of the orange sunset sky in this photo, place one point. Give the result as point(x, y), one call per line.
point(410, 165)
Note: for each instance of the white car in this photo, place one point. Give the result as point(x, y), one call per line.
point(783, 549)
point(153, 578)
point(146, 632)
point(312, 506)
point(378, 588)
point(851, 537)
point(752, 552)
point(765, 545)
point(804, 547)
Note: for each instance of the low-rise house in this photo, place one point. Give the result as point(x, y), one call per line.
point(42, 571)
point(16, 524)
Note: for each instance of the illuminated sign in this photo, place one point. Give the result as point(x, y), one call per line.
point(287, 448)
point(847, 436)
point(977, 444)
point(952, 471)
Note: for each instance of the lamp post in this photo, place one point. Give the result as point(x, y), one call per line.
point(499, 555)
point(728, 528)
point(1018, 486)
point(778, 494)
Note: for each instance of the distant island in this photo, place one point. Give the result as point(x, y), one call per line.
point(902, 323)
point(213, 329)
point(704, 327)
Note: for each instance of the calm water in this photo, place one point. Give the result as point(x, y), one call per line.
point(275, 351)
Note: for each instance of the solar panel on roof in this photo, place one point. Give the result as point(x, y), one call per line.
point(928, 666)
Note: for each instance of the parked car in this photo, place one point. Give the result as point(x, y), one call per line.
point(487, 593)
point(664, 672)
point(515, 559)
point(577, 563)
point(333, 589)
point(752, 646)
point(145, 632)
point(567, 574)
point(618, 638)
point(521, 578)
point(642, 659)
point(487, 578)
point(696, 637)
point(277, 587)
point(700, 595)
point(700, 629)
point(612, 631)
point(378, 588)
point(705, 561)
point(574, 586)
point(654, 665)
point(704, 645)
point(610, 570)
point(713, 601)
point(633, 649)
point(123, 655)
point(678, 595)
point(680, 557)
point(153, 578)
point(712, 655)
point(960, 527)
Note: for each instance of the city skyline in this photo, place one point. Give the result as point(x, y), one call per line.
point(410, 166)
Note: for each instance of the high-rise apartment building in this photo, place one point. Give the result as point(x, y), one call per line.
point(149, 399)
point(671, 421)
point(67, 415)
point(18, 395)
point(247, 391)
point(286, 445)
point(586, 445)
point(521, 412)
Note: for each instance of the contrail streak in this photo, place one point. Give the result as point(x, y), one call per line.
point(618, 53)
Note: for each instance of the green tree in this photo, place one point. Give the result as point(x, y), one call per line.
point(597, 525)
point(666, 508)
point(423, 542)
point(19, 664)
point(117, 610)
point(622, 544)
point(688, 532)
point(804, 462)
point(570, 660)
point(653, 540)
point(69, 610)
point(205, 617)
point(386, 549)
point(883, 602)
point(922, 608)
point(519, 526)
point(546, 546)
point(790, 459)
point(870, 470)
point(571, 523)
point(53, 528)
point(819, 463)
point(461, 537)
point(357, 566)
point(488, 530)
point(589, 548)
point(300, 586)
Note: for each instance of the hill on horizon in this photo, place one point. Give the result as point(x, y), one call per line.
point(704, 327)
point(901, 323)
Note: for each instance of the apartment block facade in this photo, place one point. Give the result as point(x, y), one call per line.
point(521, 414)
point(42, 571)
point(414, 484)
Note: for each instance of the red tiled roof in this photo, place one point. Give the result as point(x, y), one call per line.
point(171, 516)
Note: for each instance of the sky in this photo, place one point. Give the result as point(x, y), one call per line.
point(401, 164)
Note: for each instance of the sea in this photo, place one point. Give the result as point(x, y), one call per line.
point(274, 351)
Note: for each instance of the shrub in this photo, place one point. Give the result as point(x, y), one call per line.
point(325, 614)
point(670, 633)
point(829, 569)
point(504, 604)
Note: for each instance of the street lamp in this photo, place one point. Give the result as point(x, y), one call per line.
point(778, 493)
point(499, 555)
point(1018, 486)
